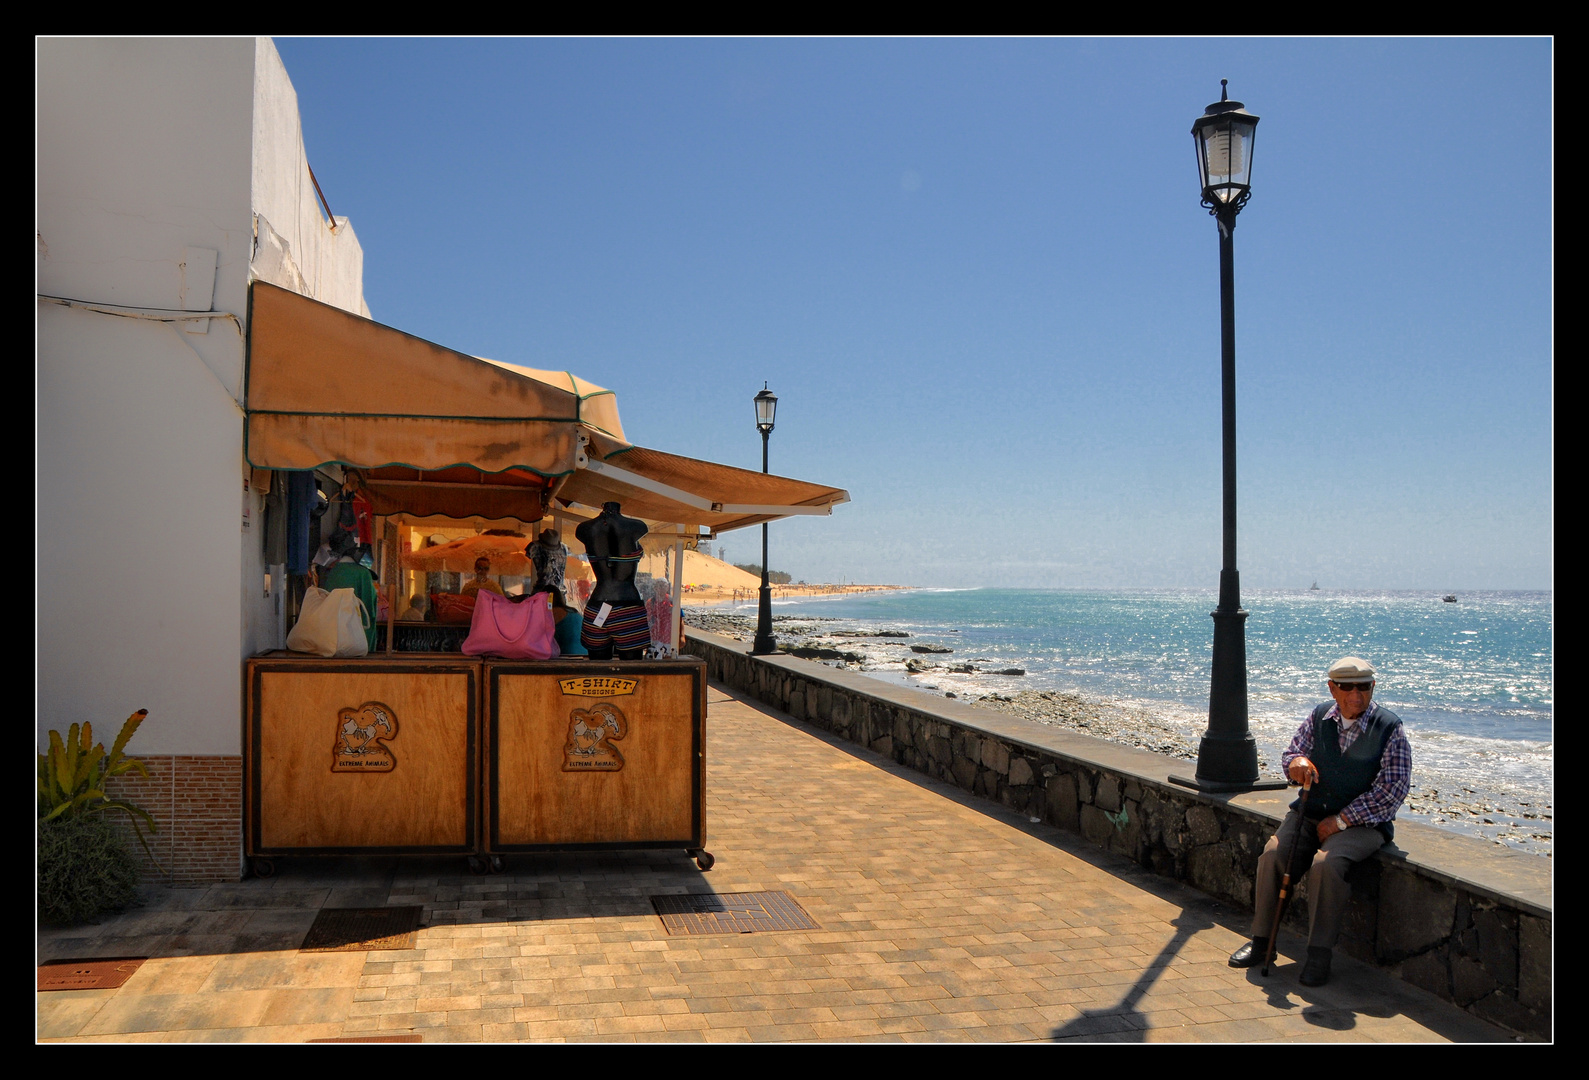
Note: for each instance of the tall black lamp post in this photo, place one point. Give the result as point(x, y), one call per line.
point(1227, 757)
point(766, 410)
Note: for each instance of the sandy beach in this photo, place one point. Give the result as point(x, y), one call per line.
point(889, 655)
point(708, 580)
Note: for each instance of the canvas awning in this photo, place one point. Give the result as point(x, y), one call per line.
point(325, 385)
point(436, 432)
point(667, 487)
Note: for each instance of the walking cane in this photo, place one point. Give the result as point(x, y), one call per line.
point(1285, 882)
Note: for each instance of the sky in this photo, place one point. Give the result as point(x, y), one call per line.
point(977, 275)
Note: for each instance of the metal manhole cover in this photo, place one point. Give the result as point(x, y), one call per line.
point(104, 974)
point(731, 913)
point(361, 929)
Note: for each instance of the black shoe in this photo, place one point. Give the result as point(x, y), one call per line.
point(1316, 972)
point(1251, 954)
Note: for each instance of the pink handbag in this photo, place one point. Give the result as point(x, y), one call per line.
point(522, 631)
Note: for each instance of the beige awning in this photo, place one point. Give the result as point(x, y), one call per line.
point(436, 432)
point(325, 385)
point(667, 487)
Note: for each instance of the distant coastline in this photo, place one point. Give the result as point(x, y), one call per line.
point(719, 594)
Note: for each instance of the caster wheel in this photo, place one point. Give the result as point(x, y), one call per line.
point(264, 868)
point(498, 864)
point(703, 859)
point(477, 865)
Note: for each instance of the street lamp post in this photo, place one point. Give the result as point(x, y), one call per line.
point(766, 410)
point(1227, 757)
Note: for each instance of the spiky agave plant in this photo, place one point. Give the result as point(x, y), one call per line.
point(73, 773)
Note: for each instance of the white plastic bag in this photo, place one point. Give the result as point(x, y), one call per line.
point(330, 624)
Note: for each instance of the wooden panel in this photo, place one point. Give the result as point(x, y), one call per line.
point(418, 790)
point(547, 793)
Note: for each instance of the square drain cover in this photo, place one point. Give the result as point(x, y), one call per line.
point(106, 974)
point(731, 913)
point(361, 929)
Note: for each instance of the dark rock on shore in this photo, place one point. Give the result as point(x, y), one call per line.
point(815, 652)
point(1123, 724)
point(931, 649)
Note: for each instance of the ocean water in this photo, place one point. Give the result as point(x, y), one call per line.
point(1472, 680)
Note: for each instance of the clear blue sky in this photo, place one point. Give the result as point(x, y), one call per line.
point(977, 275)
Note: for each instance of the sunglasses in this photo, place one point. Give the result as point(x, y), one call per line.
point(1349, 687)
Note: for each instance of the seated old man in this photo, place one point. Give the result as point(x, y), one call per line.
point(1356, 755)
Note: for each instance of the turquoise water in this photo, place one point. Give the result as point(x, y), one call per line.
point(1473, 680)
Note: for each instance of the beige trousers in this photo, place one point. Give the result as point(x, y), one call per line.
point(1328, 890)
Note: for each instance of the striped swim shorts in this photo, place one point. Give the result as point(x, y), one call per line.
point(627, 628)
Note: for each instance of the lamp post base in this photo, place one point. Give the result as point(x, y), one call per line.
point(765, 643)
point(1222, 787)
point(1227, 765)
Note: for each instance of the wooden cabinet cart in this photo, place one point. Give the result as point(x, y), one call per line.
point(366, 756)
point(434, 754)
point(593, 756)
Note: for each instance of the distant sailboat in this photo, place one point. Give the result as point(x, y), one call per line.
point(1314, 587)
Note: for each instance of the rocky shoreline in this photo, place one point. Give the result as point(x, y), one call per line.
point(889, 652)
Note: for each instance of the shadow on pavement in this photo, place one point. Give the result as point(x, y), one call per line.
point(1123, 1020)
point(273, 914)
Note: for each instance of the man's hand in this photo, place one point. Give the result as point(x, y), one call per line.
point(1302, 772)
point(1328, 828)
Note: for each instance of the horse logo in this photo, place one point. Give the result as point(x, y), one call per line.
point(591, 733)
point(361, 739)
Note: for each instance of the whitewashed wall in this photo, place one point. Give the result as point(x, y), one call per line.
point(153, 156)
point(297, 248)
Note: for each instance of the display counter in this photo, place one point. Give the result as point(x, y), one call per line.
point(364, 756)
point(595, 755)
point(387, 754)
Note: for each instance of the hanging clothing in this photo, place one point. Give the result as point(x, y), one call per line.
point(301, 500)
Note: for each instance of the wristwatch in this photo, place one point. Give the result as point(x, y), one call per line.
point(1340, 823)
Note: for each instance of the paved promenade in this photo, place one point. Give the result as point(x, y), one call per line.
point(942, 918)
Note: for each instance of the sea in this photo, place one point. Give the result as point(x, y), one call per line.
point(1471, 679)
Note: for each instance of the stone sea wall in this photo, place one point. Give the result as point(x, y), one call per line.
point(1453, 915)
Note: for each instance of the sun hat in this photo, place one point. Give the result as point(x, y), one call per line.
point(1351, 669)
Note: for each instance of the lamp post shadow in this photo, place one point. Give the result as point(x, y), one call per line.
point(1125, 1021)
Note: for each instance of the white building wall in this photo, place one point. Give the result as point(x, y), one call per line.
point(153, 156)
point(298, 250)
point(143, 154)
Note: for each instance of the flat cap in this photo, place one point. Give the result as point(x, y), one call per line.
point(1351, 669)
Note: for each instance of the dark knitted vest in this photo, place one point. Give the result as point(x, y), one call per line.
point(1343, 777)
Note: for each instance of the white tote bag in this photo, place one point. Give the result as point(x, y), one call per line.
point(330, 624)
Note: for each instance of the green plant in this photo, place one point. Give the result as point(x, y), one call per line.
point(72, 777)
point(85, 868)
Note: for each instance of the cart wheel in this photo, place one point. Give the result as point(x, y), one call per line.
point(477, 865)
point(703, 859)
point(498, 864)
point(264, 868)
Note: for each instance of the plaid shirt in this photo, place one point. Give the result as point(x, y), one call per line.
point(1377, 804)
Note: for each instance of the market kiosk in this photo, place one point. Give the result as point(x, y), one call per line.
point(433, 752)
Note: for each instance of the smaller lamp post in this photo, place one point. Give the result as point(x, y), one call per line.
point(766, 410)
